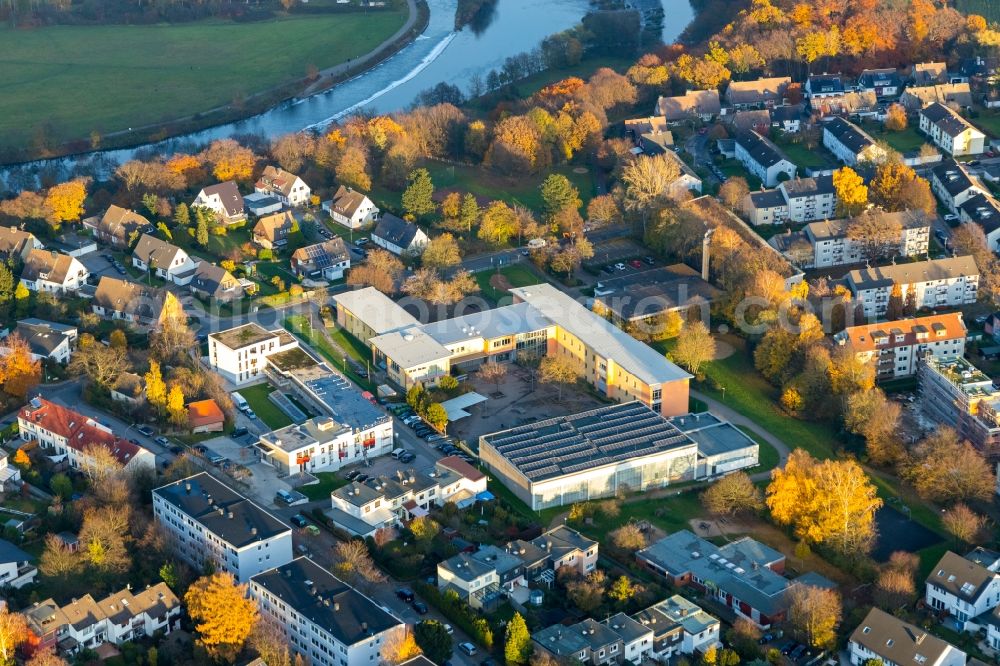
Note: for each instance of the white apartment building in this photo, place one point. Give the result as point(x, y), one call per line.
point(963, 588)
point(832, 246)
point(762, 158)
point(951, 132)
point(953, 185)
point(680, 627)
point(52, 272)
point(286, 187)
point(87, 623)
point(936, 283)
point(240, 354)
point(324, 619)
point(165, 260)
point(210, 523)
point(71, 436)
point(799, 200)
point(849, 143)
point(896, 643)
point(16, 569)
point(895, 348)
point(364, 508)
point(984, 210)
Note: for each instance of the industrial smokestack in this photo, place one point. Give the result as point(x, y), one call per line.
point(706, 253)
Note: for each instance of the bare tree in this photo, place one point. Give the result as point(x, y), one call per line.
point(493, 372)
point(557, 370)
point(963, 523)
point(354, 563)
point(876, 235)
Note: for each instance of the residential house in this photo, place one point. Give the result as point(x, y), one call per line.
point(819, 86)
point(286, 187)
point(895, 348)
point(399, 236)
point(47, 340)
point(937, 283)
point(861, 104)
point(17, 243)
point(476, 577)
point(54, 273)
point(637, 639)
point(951, 132)
point(87, 624)
point(744, 575)
point(952, 184)
point(883, 82)
point(16, 569)
point(983, 210)
point(223, 199)
point(680, 627)
point(762, 158)
point(766, 207)
point(322, 261)
point(73, 437)
point(272, 231)
point(130, 388)
point(829, 243)
point(135, 303)
point(787, 118)
point(323, 619)
point(118, 226)
point(10, 477)
point(953, 94)
point(163, 259)
point(650, 134)
point(693, 104)
point(962, 588)
point(214, 283)
point(351, 208)
point(759, 94)
point(687, 180)
point(889, 640)
point(209, 524)
point(588, 642)
point(205, 416)
point(929, 73)
point(959, 395)
point(758, 120)
point(849, 143)
point(240, 354)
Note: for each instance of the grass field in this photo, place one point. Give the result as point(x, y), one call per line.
point(328, 482)
point(908, 140)
point(989, 9)
point(113, 77)
point(265, 410)
point(517, 275)
point(804, 157)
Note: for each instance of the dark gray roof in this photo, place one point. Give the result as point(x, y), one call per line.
point(783, 113)
point(221, 510)
point(953, 177)
point(825, 83)
point(570, 444)
point(984, 211)
point(11, 553)
point(761, 149)
point(648, 293)
point(808, 187)
point(767, 199)
point(395, 230)
point(871, 78)
point(950, 122)
point(43, 337)
point(852, 136)
point(210, 278)
point(230, 196)
point(326, 601)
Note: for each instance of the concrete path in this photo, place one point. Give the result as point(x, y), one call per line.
point(734, 417)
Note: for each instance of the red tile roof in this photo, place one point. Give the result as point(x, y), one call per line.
point(459, 466)
point(204, 412)
point(81, 432)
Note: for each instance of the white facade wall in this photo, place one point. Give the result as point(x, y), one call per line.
point(197, 545)
point(181, 263)
point(951, 292)
point(963, 612)
point(76, 458)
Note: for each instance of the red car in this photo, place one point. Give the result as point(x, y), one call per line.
point(635, 263)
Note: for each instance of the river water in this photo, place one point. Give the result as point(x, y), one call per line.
point(439, 54)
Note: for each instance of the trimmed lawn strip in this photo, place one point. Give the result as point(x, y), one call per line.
point(265, 410)
point(350, 344)
point(299, 326)
point(328, 482)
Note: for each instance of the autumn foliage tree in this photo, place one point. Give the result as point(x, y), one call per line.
point(895, 118)
point(13, 632)
point(230, 160)
point(18, 372)
point(895, 584)
point(852, 193)
point(832, 502)
point(695, 347)
point(732, 494)
point(963, 523)
point(380, 269)
point(814, 613)
point(943, 468)
point(222, 614)
point(65, 200)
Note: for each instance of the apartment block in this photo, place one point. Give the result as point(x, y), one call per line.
point(322, 618)
point(955, 393)
point(240, 354)
point(936, 283)
point(799, 200)
point(210, 524)
point(762, 158)
point(953, 186)
point(951, 132)
point(849, 143)
point(896, 348)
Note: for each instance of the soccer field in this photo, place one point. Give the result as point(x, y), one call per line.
point(81, 79)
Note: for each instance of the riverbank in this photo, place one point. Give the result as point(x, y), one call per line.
point(71, 131)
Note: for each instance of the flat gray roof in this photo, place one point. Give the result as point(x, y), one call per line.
point(342, 399)
point(713, 435)
point(379, 312)
point(508, 320)
point(410, 347)
point(602, 336)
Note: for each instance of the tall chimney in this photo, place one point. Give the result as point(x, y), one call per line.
point(706, 253)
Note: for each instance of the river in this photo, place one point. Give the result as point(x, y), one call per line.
point(439, 54)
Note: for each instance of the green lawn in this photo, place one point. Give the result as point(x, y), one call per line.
point(767, 455)
point(299, 325)
point(732, 169)
point(986, 8)
point(266, 410)
point(988, 121)
point(356, 349)
point(908, 140)
point(518, 275)
point(328, 482)
point(804, 157)
point(109, 78)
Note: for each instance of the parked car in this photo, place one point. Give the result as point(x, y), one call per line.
point(635, 263)
point(361, 478)
point(405, 594)
point(766, 638)
point(364, 240)
point(298, 520)
point(146, 430)
point(608, 269)
point(176, 450)
point(467, 648)
point(619, 266)
point(448, 628)
point(238, 432)
point(134, 441)
point(797, 653)
point(408, 458)
point(420, 607)
point(353, 474)
point(162, 441)
point(789, 648)
point(650, 260)
point(250, 414)
point(436, 438)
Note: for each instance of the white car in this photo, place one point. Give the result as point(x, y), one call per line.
point(619, 266)
point(448, 628)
